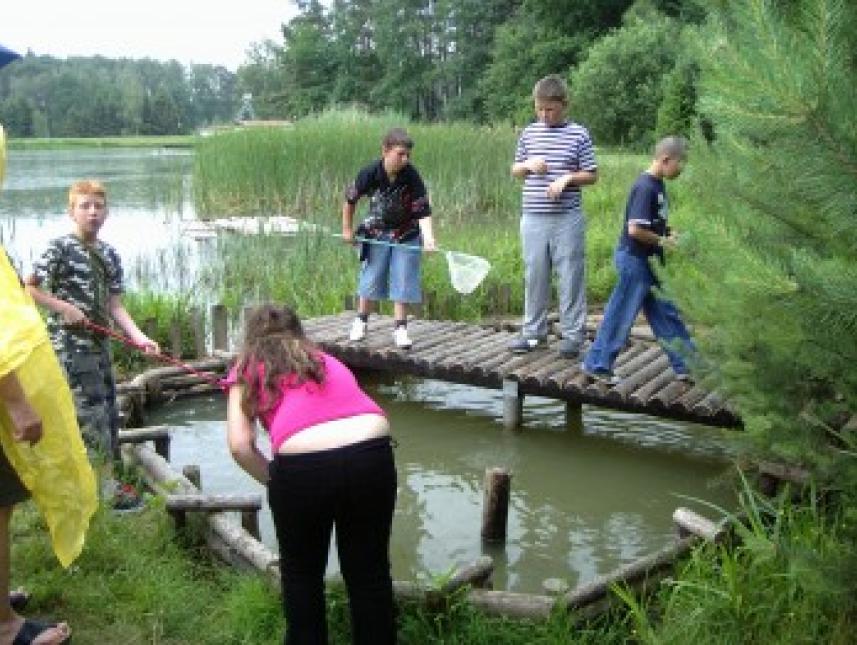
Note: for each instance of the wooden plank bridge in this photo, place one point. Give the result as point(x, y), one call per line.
point(475, 354)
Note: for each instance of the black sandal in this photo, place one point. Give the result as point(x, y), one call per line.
point(18, 600)
point(32, 629)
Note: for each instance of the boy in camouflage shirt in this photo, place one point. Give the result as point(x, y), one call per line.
point(79, 277)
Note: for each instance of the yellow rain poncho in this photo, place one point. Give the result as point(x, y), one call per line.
point(56, 470)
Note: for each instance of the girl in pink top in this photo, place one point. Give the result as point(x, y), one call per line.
point(332, 465)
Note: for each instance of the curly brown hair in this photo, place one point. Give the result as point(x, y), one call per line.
point(274, 341)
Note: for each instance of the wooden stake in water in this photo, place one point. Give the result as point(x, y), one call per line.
point(495, 505)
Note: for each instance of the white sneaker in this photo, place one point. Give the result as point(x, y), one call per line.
point(401, 338)
point(358, 330)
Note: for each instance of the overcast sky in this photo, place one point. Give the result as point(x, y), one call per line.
point(198, 31)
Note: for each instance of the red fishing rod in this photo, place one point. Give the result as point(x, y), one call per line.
point(162, 357)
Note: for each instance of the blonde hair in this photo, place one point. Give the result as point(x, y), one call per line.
point(86, 187)
point(551, 88)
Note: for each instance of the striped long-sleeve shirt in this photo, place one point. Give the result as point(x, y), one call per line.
point(565, 148)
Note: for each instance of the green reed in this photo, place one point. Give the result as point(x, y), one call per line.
point(303, 170)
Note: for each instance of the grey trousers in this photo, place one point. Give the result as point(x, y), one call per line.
point(554, 243)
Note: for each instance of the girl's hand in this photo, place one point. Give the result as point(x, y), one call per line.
point(26, 423)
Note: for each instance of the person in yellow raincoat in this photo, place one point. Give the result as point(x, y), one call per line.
point(41, 451)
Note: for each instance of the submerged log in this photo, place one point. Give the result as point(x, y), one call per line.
point(689, 522)
point(630, 574)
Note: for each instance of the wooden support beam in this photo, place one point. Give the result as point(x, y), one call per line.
point(477, 575)
point(513, 405)
point(219, 327)
point(495, 505)
point(160, 435)
point(213, 503)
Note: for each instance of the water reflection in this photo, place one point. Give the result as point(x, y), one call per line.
point(582, 503)
point(148, 194)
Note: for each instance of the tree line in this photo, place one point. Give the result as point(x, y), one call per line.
point(473, 60)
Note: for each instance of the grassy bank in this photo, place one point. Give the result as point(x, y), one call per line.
point(788, 580)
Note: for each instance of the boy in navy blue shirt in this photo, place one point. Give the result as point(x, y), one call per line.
point(644, 235)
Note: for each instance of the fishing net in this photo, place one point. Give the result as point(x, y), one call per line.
point(466, 272)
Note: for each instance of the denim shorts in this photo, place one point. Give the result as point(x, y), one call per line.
point(392, 272)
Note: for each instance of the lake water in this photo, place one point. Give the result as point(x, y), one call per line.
point(583, 502)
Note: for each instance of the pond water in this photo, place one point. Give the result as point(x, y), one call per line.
point(582, 502)
point(148, 192)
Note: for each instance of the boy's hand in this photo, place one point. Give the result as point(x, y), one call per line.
point(26, 423)
point(556, 187)
point(536, 165)
point(71, 315)
point(148, 345)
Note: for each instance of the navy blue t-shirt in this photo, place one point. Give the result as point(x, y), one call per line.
point(646, 207)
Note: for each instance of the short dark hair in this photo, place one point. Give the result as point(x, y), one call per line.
point(674, 147)
point(551, 88)
point(397, 137)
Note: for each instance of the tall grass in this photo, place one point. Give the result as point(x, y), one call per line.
point(303, 171)
point(790, 579)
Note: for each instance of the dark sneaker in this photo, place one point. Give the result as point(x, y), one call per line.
point(684, 377)
point(603, 376)
point(523, 344)
point(126, 498)
point(569, 348)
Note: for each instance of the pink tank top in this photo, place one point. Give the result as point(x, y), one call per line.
point(308, 404)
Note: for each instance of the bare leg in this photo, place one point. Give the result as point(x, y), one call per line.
point(364, 305)
point(10, 622)
point(400, 310)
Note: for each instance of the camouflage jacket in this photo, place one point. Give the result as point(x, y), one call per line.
point(85, 276)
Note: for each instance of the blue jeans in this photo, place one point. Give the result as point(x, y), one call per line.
point(632, 293)
point(354, 489)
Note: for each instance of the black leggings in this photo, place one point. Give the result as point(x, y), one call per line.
point(353, 487)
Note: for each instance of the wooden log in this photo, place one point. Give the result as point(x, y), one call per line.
point(665, 397)
point(689, 523)
point(555, 586)
point(495, 505)
point(641, 395)
point(630, 352)
point(193, 474)
point(548, 358)
point(504, 298)
point(213, 503)
point(198, 329)
point(159, 435)
point(686, 402)
point(639, 361)
point(785, 472)
point(477, 575)
point(240, 547)
point(219, 327)
point(176, 337)
point(629, 574)
point(512, 605)
point(513, 405)
point(467, 360)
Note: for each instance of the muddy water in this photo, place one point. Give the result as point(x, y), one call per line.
point(583, 501)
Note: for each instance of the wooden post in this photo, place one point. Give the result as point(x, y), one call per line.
point(198, 328)
point(192, 472)
point(504, 298)
point(159, 435)
point(574, 416)
point(219, 328)
point(513, 405)
point(349, 302)
point(250, 522)
point(176, 337)
point(495, 505)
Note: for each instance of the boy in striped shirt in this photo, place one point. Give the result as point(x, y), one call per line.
point(555, 158)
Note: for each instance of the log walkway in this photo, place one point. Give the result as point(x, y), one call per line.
point(475, 354)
